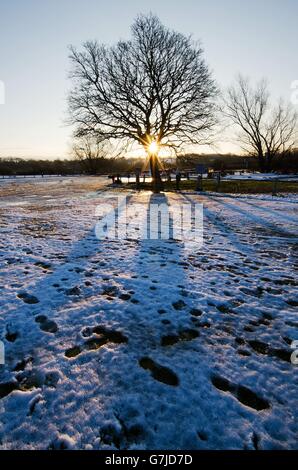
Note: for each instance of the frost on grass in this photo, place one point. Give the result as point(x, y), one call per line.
point(146, 344)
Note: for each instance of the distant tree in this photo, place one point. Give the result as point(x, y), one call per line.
point(89, 152)
point(288, 163)
point(265, 131)
point(219, 165)
point(154, 89)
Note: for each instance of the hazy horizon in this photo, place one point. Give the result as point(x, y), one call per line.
point(256, 39)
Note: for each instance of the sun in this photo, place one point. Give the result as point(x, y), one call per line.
point(153, 147)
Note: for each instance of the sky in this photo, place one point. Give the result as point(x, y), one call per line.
point(257, 38)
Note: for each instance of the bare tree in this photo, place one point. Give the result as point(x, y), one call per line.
point(154, 89)
point(88, 151)
point(96, 155)
point(266, 131)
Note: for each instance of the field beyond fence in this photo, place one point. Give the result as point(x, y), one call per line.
point(234, 186)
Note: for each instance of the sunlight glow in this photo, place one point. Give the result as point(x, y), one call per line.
point(153, 147)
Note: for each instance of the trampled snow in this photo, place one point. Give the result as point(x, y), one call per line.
point(139, 344)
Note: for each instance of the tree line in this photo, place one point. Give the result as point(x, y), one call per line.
point(103, 165)
point(122, 165)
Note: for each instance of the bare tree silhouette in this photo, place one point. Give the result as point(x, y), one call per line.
point(154, 89)
point(266, 131)
point(88, 151)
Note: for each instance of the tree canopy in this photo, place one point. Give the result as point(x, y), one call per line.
point(155, 87)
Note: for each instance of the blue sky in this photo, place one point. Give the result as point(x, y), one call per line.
point(256, 38)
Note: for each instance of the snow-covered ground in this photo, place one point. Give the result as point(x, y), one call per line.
point(260, 176)
point(139, 344)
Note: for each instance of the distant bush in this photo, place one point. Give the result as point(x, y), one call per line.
point(287, 163)
point(283, 164)
point(19, 166)
point(218, 162)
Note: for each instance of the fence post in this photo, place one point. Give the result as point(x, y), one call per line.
point(218, 181)
point(199, 186)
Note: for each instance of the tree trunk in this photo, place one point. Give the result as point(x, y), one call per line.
point(268, 163)
point(155, 173)
point(262, 162)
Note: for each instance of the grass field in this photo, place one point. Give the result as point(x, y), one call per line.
point(239, 186)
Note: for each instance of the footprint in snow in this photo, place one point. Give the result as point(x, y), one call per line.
point(292, 302)
point(243, 394)
point(195, 312)
point(7, 387)
point(21, 365)
point(201, 324)
point(27, 298)
point(161, 311)
point(243, 352)
point(46, 325)
point(43, 265)
point(265, 349)
point(179, 305)
point(73, 351)
point(187, 334)
point(223, 308)
point(74, 291)
point(125, 296)
point(29, 380)
point(110, 291)
point(11, 334)
point(103, 336)
point(160, 373)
